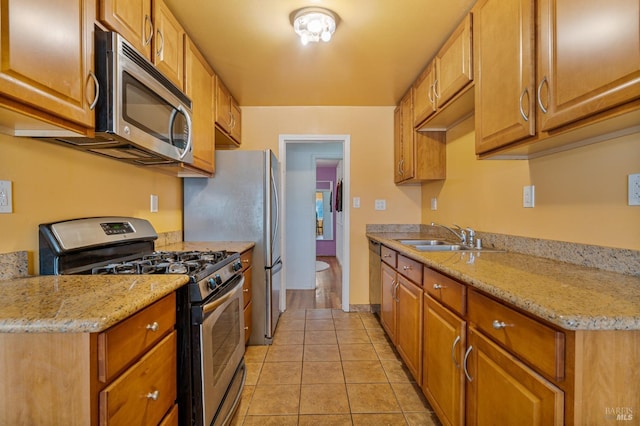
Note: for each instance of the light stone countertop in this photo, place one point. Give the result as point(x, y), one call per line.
point(89, 303)
point(570, 296)
point(78, 303)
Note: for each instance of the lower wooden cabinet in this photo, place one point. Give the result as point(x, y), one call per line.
point(502, 390)
point(247, 270)
point(443, 352)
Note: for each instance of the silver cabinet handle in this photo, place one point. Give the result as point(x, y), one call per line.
point(436, 89)
point(245, 290)
point(500, 324)
point(453, 352)
point(522, 113)
point(160, 49)
point(96, 92)
point(542, 108)
point(407, 267)
point(464, 364)
point(439, 286)
point(431, 95)
point(154, 326)
point(147, 21)
point(386, 256)
point(153, 395)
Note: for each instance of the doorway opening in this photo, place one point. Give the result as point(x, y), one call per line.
point(316, 227)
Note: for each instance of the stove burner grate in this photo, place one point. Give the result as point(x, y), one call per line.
point(185, 262)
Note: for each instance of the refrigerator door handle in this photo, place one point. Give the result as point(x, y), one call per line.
point(277, 212)
point(276, 267)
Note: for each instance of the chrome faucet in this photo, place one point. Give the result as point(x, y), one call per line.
point(462, 234)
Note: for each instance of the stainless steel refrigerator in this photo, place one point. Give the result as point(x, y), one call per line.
point(240, 203)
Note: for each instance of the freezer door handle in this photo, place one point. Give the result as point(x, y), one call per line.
point(276, 267)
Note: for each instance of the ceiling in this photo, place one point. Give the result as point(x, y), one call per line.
point(378, 49)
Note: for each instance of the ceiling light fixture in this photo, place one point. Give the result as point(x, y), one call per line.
point(313, 24)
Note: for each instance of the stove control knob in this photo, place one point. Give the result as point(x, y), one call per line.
point(237, 266)
point(215, 281)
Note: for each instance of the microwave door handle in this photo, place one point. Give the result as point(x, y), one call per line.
point(172, 119)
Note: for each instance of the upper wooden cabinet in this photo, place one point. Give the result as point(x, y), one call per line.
point(131, 19)
point(443, 93)
point(228, 117)
point(158, 36)
point(46, 69)
point(199, 86)
point(584, 76)
point(168, 50)
point(418, 156)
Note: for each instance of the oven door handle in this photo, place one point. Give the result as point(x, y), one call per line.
point(222, 300)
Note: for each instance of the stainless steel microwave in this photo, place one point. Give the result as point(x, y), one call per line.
point(141, 116)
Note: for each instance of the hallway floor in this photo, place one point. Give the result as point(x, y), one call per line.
point(328, 367)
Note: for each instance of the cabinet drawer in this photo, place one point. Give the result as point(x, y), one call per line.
point(410, 269)
point(246, 288)
point(446, 290)
point(146, 391)
point(171, 419)
point(539, 345)
point(388, 256)
point(246, 258)
point(123, 343)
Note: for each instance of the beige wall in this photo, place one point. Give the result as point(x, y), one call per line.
point(371, 132)
point(580, 195)
point(51, 182)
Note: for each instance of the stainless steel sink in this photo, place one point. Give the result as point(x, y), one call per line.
point(423, 242)
point(440, 247)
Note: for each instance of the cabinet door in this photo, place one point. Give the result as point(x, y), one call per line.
point(504, 70)
point(236, 123)
point(397, 144)
point(453, 63)
point(588, 58)
point(223, 106)
point(408, 152)
point(442, 376)
point(424, 103)
point(199, 81)
point(388, 302)
point(131, 19)
point(168, 45)
point(503, 391)
point(409, 325)
point(47, 56)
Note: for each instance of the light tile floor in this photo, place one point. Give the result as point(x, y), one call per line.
point(328, 367)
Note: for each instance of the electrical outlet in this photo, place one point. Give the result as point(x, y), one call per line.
point(529, 196)
point(434, 204)
point(380, 205)
point(356, 202)
point(153, 208)
point(634, 189)
point(6, 197)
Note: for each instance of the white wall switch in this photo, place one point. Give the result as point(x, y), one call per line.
point(6, 197)
point(380, 204)
point(634, 189)
point(434, 203)
point(529, 196)
point(356, 202)
point(154, 204)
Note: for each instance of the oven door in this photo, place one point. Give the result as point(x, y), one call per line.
point(221, 350)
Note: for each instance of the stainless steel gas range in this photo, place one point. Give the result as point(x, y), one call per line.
point(210, 323)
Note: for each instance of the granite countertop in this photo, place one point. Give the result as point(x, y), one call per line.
point(89, 303)
point(570, 296)
point(78, 303)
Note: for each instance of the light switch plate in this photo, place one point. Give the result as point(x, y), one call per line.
point(634, 189)
point(153, 204)
point(6, 197)
point(529, 196)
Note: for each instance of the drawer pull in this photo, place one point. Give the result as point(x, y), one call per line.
point(153, 395)
point(245, 260)
point(407, 267)
point(386, 256)
point(153, 326)
point(439, 286)
point(500, 324)
point(246, 328)
point(453, 352)
point(246, 290)
point(464, 364)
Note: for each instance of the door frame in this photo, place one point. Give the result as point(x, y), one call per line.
point(345, 140)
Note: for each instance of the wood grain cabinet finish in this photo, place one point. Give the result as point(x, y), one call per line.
point(227, 117)
point(168, 43)
point(444, 346)
point(424, 98)
point(418, 156)
point(46, 67)
point(501, 390)
point(401, 310)
point(445, 290)
point(131, 19)
point(247, 290)
point(547, 78)
point(199, 85)
point(145, 392)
